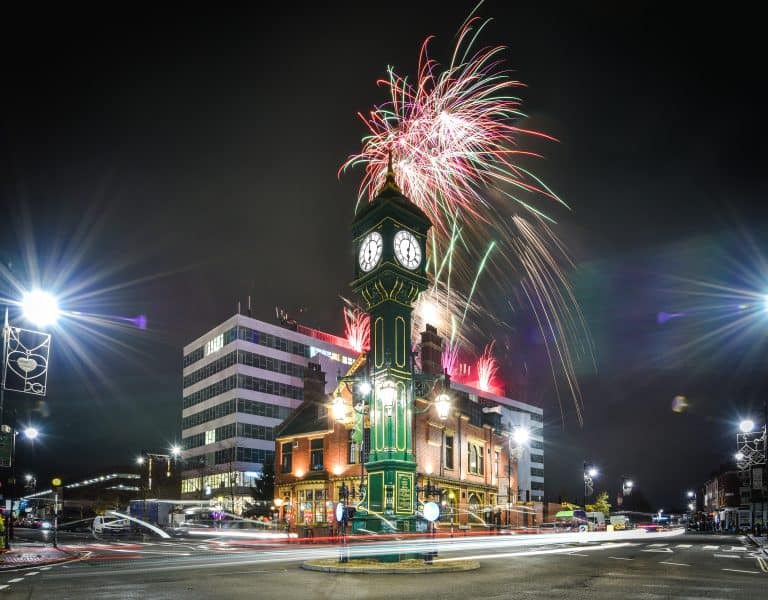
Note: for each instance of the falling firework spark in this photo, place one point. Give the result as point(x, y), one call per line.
point(453, 137)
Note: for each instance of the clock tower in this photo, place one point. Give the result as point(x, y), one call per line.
point(390, 237)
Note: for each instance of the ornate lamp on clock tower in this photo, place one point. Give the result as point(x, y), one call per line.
point(390, 237)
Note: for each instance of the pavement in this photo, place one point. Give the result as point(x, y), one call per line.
point(26, 555)
point(760, 541)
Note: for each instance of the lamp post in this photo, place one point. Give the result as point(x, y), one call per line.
point(590, 472)
point(517, 442)
point(752, 449)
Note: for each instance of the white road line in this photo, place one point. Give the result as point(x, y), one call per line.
point(740, 571)
point(31, 573)
point(2, 587)
point(662, 550)
point(664, 562)
point(656, 545)
point(16, 580)
point(710, 548)
point(620, 558)
point(683, 545)
point(736, 549)
point(45, 568)
point(576, 554)
point(727, 555)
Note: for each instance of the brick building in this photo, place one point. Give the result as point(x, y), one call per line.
point(467, 456)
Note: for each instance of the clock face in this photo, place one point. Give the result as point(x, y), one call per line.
point(407, 249)
point(370, 251)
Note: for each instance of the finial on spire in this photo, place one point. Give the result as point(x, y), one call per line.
point(390, 182)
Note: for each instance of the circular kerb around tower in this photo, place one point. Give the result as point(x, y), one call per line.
point(405, 567)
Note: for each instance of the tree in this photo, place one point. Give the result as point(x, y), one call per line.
point(263, 490)
point(601, 504)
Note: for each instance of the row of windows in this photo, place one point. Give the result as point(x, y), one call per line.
point(244, 382)
point(209, 414)
point(537, 444)
point(537, 485)
point(537, 472)
point(252, 455)
point(247, 430)
point(219, 480)
point(249, 359)
point(255, 337)
point(258, 432)
point(537, 458)
point(240, 405)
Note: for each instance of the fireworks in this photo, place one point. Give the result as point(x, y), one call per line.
point(454, 138)
point(487, 368)
point(357, 327)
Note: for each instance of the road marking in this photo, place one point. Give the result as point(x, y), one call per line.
point(711, 548)
point(655, 545)
point(740, 571)
point(683, 545)
point(31, 573)
point(727, 555)
point(576, 554)
point(45, 568)
point(736, 549)
point(16, 580)
point(2, 587)
point(762, 563)
point(620, 558)
point(663, 550)
point(664, 562)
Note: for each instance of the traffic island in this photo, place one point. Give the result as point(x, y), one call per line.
point(24, 556)
point(404, 567)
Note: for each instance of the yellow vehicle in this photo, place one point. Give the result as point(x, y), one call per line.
point(619, 522)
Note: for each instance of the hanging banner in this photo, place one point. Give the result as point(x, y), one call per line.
point(6, 448)
point(26, 368)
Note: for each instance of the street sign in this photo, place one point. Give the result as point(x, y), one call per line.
point(26, 362)
point(339, 512)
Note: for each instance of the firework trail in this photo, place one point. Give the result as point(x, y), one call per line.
point(487, 367)
point(455, 144)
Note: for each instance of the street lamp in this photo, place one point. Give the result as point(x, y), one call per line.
point(443, 406)
point(387, 393)
point(338, 408)
point(31, 433)
point(747, 425)
point(40, 307)
point(175, 451)
point(589, 472)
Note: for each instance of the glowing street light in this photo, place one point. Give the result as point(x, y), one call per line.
point(691, 494)
point(338, 408)
point(40, 307)
point(747, 425)
point(175, 451)
point(364, 388)
point(739, 456)
point(387, 393)
point(592, 472)
point(521, 435)
point(443, 405)
point(31, 433)
point(140, 460)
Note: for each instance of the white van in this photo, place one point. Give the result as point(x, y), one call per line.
point(111, 525)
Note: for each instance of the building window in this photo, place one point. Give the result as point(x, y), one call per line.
point(316, 454)
point(496, 464)
point(351, 448)
point(312, 504)
point(366, 449)
point(448, 459)
point(210, 436)
point(475, 458)
point(286, 457)
point(214, 345)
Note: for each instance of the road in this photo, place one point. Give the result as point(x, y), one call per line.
point(647, 566)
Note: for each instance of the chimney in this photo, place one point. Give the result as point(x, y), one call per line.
point(314, 383)
point(431, 351)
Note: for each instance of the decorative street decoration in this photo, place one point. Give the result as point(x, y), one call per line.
point(26, 368)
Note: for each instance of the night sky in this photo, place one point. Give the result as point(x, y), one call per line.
point(171, 164)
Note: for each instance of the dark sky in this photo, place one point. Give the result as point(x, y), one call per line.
point(178, 162)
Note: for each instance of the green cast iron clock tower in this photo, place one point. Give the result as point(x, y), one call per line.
point(390, 237)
